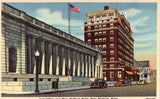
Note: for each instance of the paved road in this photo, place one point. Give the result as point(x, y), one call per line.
point(133, 90)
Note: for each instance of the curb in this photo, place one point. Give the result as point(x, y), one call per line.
point(49, 91)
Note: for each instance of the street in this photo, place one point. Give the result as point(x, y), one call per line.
point(133, 90)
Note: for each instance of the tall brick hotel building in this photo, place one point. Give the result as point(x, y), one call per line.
point(111, 32)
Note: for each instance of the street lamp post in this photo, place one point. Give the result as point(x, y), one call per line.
point(97, 71)
point(37, 64)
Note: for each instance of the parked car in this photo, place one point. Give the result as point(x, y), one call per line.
point(99, 83)
point(128, 81)
point(120, 82)
point(141, 82)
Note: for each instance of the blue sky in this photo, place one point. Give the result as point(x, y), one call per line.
point(142, 17)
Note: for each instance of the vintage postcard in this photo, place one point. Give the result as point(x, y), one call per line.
point(80, 49)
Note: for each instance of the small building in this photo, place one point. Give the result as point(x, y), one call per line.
point(153, 75)
point(144, 68)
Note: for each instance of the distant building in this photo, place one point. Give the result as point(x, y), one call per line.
point(153, 75)
point(144, 68)
point(110, 31)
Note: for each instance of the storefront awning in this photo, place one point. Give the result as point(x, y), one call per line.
point(130, 73)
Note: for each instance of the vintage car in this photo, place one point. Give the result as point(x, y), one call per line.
point(120, 82)
point(142, 82)
point(99, 83)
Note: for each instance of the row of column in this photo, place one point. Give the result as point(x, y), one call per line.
point(56, 59)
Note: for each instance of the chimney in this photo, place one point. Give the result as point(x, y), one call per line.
point(106, 7)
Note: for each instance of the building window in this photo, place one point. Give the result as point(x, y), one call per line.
point(119, 59)
point(111, 45)
point(96, 34)
point(100, 46)
point(111, 74)
point(100, 33)
point(100, 26)
point(96, 40)
point(95, 27)
point(111, 58)
point(89, 41)
point(119, 74)
point(104, 26)
point(111, 39)
point(104, 59)
point(100, 39)
point(104, 33)
point(96, 45)
point(91, 19)
point(89, 34)
point(104, 65)
point(111, 16)
point(111, 25)
point(111, 32)
point(111, 52)
point(104, 52)
point(103, 17)
point(111, 65)
point(104, 46)
point(89, 28)
point(12, 59)
point(97, 17)
point(104, 39)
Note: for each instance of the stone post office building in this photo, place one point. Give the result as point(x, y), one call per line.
point(59, 52)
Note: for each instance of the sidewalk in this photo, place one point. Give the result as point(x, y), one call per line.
point(54, 90)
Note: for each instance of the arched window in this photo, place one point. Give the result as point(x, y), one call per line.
point(12, 59)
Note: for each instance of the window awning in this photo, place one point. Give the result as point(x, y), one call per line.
point(130, 73)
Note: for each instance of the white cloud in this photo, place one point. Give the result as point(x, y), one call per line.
point(131, 12)
point(140, 25)
point(55, 17)
point(143, 45)
point(146, 37)
point(51, 17)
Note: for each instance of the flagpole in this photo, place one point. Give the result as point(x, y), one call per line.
point(69, 13)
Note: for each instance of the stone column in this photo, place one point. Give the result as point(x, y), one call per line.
point(76, 60)
point(69, 61)
point(63, 61)
point(96, 69)
point(66, 60)
point(58, 60)
point(93, 66)
point(55, 59)
point(29, 54)
point(89, 63)
point(42, 54)
point(51, 60)
point(23, 54)
point(4, 53)
point(18, 62)
point(79, 64)
point(86, 68)
point(82, 71)
point(6, 60)
point(80, 56)
point(74, 63)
